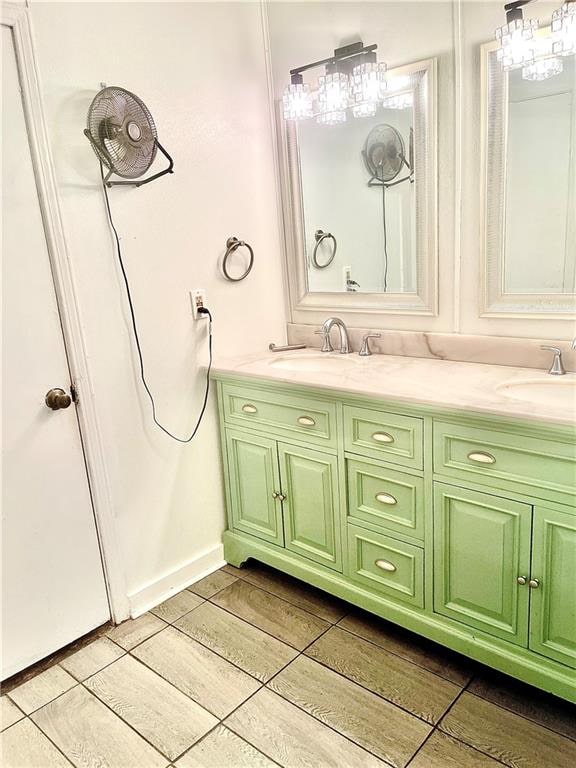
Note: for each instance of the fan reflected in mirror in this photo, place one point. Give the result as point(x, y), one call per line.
point(358, 184)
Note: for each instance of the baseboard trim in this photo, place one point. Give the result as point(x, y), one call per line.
point(167, 586)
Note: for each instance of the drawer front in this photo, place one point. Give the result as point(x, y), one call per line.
point(398, 439)
point(475, 453)
point(386, 498)
point(385, 565)
point(281, 414)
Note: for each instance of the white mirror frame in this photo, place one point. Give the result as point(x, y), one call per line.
point(494, 301)
point(425, 300)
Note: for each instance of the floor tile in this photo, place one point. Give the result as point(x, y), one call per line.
point(224, 749)
point(245, 646)
point(42, 688)
point(166, 718)
point(536, 705)
point(9, 713)
point(293, 738)
point(213, 583)
point(175, 607)
point(514, 740)
point(368, 720)
point(134, 631)
point(410, 646)
point(25, 746)
point(201, 674)
point(91, 735)
point(442, 751)
point(92, 658)
point(298, 593)
point(401, 682)
point(279, 618)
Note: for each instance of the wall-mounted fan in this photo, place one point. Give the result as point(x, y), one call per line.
point(384, 155)
point(123, 135)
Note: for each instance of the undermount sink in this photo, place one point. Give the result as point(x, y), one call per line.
point(559, 391)
point(319, 363)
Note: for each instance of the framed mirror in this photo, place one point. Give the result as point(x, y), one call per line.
point(528, 191)
point(359, 200)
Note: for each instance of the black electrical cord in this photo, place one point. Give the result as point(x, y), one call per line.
point(202, 310)
point(385, 238)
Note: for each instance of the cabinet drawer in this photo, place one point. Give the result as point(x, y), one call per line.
point(378, 434)
point(391, 567)
point(472, 452)
point(280, 414)
point(386, 498)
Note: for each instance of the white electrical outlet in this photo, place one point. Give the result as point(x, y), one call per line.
point(198, 300)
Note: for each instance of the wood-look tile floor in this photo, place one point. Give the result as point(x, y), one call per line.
point(250, 668)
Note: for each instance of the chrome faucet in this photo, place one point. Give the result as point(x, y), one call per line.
point(325, 333)
point(557, 367)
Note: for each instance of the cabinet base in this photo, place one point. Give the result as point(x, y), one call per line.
point(512, 660)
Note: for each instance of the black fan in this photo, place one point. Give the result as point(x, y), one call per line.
point(123, 135)
point(384, 153)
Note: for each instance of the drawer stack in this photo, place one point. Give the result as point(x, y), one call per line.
point(385, 506)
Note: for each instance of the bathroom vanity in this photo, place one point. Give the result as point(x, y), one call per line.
point(439, 495)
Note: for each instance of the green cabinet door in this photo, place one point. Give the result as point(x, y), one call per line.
point(481, 547)
point(311, 504)
point(553, 600)
point(254, 485)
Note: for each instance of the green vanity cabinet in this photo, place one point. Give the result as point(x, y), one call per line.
point(481, 549)
point(553, 596)
point(456, 525)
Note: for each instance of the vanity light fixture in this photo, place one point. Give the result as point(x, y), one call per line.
point(523, 46)
point(353, 79)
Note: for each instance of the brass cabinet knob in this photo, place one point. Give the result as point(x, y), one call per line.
point(56, 398)
point(275, 494)
point(534, 583)
point(282, 497)
point(522, 580)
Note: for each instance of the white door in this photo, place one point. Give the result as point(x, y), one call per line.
point(53, 588)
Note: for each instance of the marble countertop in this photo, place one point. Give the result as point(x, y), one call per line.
point(524, 393)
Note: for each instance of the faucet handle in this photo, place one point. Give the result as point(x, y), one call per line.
point(365, 350)
point(557, 367)
point(327, 345)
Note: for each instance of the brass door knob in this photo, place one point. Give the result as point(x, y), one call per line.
point(56, 398)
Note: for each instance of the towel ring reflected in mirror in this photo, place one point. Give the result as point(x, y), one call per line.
point(232, 245)
point(320, 236)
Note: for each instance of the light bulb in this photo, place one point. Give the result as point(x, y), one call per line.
point(545, 65)
point(368, 82)
point(516, 43)
point(297, 101)
point(564, 30)
point(333, 98)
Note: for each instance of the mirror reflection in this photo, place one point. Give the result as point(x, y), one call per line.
point(540, 184)
point(358, 202)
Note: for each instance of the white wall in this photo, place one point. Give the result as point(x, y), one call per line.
point(200, 68)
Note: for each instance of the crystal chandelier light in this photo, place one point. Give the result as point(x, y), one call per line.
point(564, 30)
point(368, 84)
point(523, 45)
point(353, 81)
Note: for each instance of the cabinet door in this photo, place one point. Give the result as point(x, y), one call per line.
point(254, 481)
point(311, 504)
point(553, 602)
point(481, 547)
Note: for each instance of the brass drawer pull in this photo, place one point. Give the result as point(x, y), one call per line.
point(481, 457)
point(306, 421)
point(385, 565)
point(386, 498)
point(382, 437)
point(248, 408)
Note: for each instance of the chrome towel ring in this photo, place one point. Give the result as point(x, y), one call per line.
point(319, 236)
point(232, 244)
